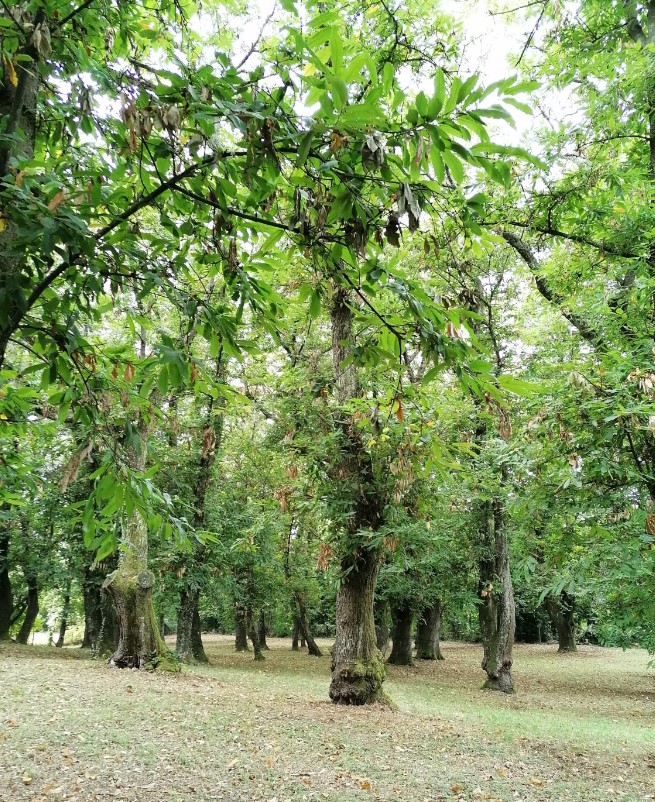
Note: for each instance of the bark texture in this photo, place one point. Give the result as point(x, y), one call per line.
point(304, 631)
point(496, 609)
point(130, 588)
point(253, 632)
point(32, 609)
point(401, 636)
point(63, 624)
point(262, 631)
point(561, 610)
point(240, 630)
point(185, 616)
point(100, 626)
point(427, 633)
point(6, 595)
point(196, 639)
point(295, 635)
point(357, 665)
point(381, 627)
point(18, 112)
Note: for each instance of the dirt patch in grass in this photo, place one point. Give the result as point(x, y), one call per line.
point(581, 728)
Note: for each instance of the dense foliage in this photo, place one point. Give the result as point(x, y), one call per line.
point(289, 336)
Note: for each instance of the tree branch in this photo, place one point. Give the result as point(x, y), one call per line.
point(580, 240)
point(525, 252)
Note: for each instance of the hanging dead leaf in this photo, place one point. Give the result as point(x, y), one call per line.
point(338, 141)
point(208, 441)
point(10, 71)
point(129, 372)
point(73, 467)
point(58, 199)
point(399, 409)
point(650, 524)
point(325, 555)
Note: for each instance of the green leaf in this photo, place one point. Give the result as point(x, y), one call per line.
point(520, 387)
point(304, 147)
point(339, 92)
point(315, 304)
point(432, 374)
point(422, 104)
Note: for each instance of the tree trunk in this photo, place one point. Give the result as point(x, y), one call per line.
point(92, 596)
point(295, 635)
point(262, 631)
point(427, 633)
point(184, 638)
point(130, 588)
point(357, 665)
point(241, 630)
point(303, 627)
point(6, 595)
point(253, 631)
point(401, 637)
point(562, 614)
point(32, 610)
point(196, 639)
point(63, 624)
point(381, 626)
point(18, 112)
point(496, 609)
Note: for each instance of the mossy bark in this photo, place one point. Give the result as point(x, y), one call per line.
point(357, 665)
point(401, 636)
point(139, 643)
point(496, 609)
point(184, 641)
point(427, 633)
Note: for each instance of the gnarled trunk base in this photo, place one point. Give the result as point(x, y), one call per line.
point(427, 633)
point(139, 643)
point(357, 665)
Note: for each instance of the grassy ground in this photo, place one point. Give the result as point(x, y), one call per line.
point(580, 729)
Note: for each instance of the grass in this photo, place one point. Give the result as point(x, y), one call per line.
point(581, 728)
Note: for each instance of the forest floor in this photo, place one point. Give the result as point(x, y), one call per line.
point(581, 728)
